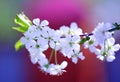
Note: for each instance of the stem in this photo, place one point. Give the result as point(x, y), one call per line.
point(114, 29)
point(56, 58)
point(105, 50)
point(51, 55)
point(86, 38)
point(55, 55)
point(117, 27)
point(87, 34)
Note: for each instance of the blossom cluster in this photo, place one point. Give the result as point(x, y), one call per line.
point(39, 37)
point(103, 37)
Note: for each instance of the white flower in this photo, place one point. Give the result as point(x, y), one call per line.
point(55, 41)
point(91, 44)
point(108, 50)
point(35, 46)
point(112, 48)
point(57, 69)
point(69, 45)
point(40, 37)
point(28, 42)
point(76, 56)
point(44, 64)
point(47, 33)
point(40, 58)
point(52, 36)
point(101, 32)
point(64, 30)
point(42, 43)
point(34, 58)
point(33, 32)
point(73, 30)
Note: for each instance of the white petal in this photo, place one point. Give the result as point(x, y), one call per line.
point(32, 28)
point(81, 56)
point(64, 64)
point(100, 57)
point(30, 44)
point(34, 59)
point(108, 34)
point(53, 72)
point(44, 33)
point(44, 23)
point(43, 61)
point(74, 60)
point(52, 44)
point(86, 45)
point(36, 21)
point(73, 26)
point(116, 47)
point(97, 52)
point(78, 31)
point(108, 26)
point(76, 48)
point(53, 69)
point(64, 29)
point(110, 58)
point(76, 39)
point(111, 52)
point(92, 48)
point(42, 41)
point(111, 41)
point(24, 40)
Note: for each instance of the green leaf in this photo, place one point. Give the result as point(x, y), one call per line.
point(20, 29)
point(87, 38)
point(22, 20)
point(18, 45)
point(83, 40)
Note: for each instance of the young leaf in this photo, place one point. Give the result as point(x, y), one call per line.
point(83, 40)
point(22, 20)
point(18, 45)
point(20, 29)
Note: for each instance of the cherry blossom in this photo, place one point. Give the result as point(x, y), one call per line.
point(38, 37)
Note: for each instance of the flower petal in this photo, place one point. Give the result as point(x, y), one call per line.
point(36, 21)
point(64, 64)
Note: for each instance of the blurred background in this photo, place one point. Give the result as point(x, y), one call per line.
point(17, 67)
